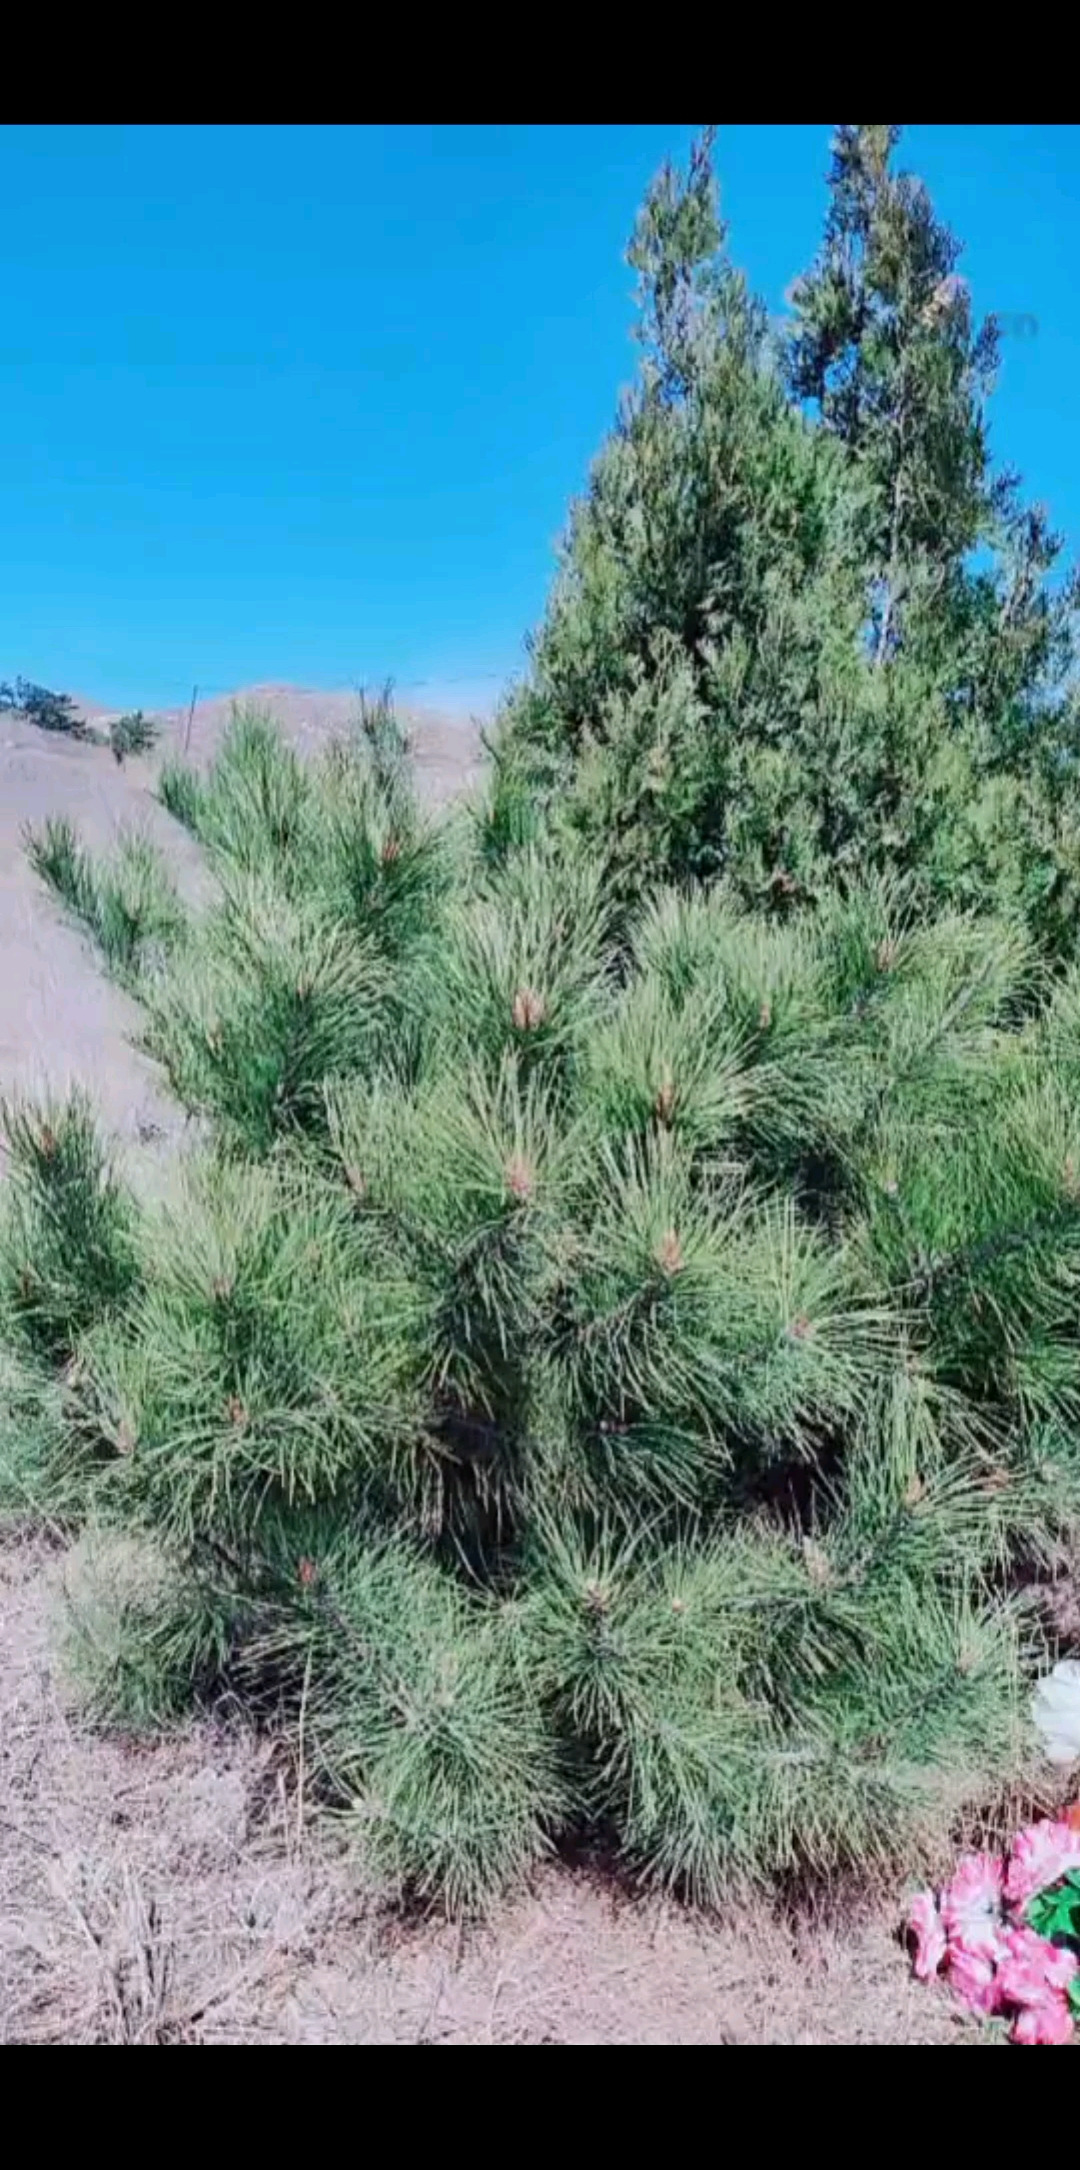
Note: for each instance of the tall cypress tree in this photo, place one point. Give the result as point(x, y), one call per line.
point(800, 623)
point(885, 349)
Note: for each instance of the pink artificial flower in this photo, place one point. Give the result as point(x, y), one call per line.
point(974, 1978)
point(1041, 1856)
point(1049, 2024)
point(1033, 1970)
point(971, 1906)
point(925, 1924)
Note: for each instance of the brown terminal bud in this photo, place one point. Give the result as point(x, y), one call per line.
point(818, 1564)
point(668, 1254)
point(664, 1103)
point(519, 1177)
point(529, 1009)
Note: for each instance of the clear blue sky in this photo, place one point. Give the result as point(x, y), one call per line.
point(309, 403)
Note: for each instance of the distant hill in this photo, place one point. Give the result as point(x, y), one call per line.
point(447, 747)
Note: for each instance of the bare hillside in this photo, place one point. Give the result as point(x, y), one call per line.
point(447, 749)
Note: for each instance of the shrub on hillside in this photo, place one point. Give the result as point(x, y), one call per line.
point(608, 1396)
point(50, 711)
point(133, 733)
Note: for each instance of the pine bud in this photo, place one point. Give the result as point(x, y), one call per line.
point(356, 1180)
point(519, 1177)
point(800, 1328)
point(529, 1009)
point(668, 1253)
point(818, 1564)
point(664, 1103)
point(236, 1412)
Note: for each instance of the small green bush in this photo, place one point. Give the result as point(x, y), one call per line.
point(49, 711)
point(610, 1396)
point(133, 733)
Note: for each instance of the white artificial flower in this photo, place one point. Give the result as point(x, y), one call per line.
point(1055, 1708)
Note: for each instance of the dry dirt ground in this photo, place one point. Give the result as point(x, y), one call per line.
point(178, 1892)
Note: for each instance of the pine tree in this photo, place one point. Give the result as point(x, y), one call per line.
point(598, 1371)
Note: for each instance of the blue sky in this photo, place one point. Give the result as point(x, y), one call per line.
point(308, 404)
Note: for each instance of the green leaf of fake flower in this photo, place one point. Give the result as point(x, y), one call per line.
point(1056, 1912)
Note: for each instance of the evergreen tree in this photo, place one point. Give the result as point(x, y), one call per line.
point(884, 348)
point(597, 1372)
point(800, 626)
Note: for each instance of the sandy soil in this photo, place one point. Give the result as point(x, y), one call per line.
point(177, 1891)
